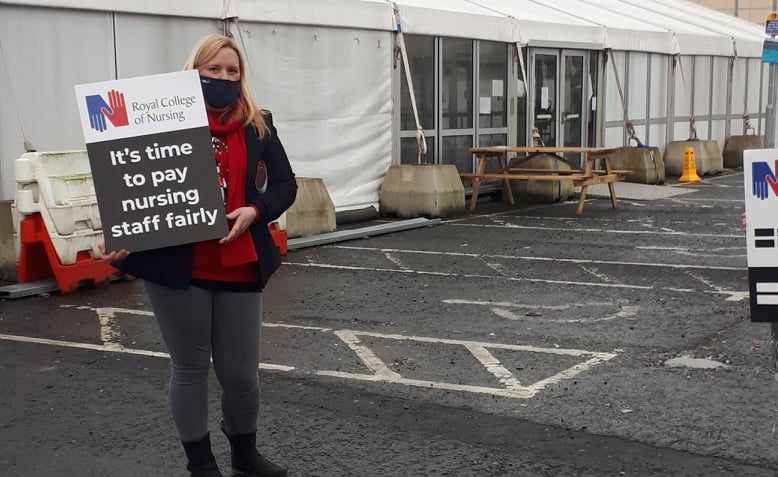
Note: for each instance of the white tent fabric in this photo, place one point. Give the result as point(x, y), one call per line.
point(541, 25)
point(691, 39)
point(334, 118)
point(455, 18)
point(661, 26)
point(338, 53)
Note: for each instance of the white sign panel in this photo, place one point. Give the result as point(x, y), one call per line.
point(760, 174)
point(139, 106)
point(152, 161)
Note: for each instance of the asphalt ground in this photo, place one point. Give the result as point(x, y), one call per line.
point(525, 341)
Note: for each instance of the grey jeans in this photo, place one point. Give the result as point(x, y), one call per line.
point(198, 324)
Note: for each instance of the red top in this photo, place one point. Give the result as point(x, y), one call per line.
point(234, 261)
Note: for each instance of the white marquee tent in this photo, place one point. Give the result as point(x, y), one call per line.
point(329, 72)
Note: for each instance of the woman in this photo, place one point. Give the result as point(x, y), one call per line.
point(207, 296)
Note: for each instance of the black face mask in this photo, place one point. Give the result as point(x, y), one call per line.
point(219, 93)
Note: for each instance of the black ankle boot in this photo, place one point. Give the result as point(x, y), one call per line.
point(201, 460)
point(246, 461)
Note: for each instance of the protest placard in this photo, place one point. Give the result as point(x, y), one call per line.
point(152, 162)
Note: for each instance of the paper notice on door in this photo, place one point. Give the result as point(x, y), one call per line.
point(544, 97)
point(485, 106)
point(520, 90)
point(497, 88)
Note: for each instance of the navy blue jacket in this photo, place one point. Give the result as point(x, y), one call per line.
point(172, 266)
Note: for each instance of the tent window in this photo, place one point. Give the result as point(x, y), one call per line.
point(454, 150)
point(408, 149)
point(421, 58)
point(545, 97)
point(591, 100)
point(493, 88)
point(521, 106)
point(457, 84)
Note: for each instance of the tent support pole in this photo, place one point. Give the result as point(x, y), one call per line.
point(421, 142)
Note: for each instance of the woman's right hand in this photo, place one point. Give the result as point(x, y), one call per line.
point(113, 256)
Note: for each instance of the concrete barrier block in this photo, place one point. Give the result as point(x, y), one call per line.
point(422, 190)
point(313, 212)
point(734, 147)
point(8, 248)
point(646, 164)
point(707, 156)
point(542, 191)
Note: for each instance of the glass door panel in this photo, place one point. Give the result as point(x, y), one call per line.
point(544, 113)
point(572, 99)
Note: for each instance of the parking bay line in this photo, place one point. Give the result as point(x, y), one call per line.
point(381, 372)
point(597, 230)
point(731, 295)
point(577, 261)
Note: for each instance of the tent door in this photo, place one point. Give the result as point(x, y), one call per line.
point(544, 67)
point(573, 101)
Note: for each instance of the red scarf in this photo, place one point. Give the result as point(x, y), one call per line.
point(230, 155)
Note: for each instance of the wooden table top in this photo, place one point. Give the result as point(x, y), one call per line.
point(535, 149)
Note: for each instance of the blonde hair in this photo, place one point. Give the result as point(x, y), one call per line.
point(246, 108)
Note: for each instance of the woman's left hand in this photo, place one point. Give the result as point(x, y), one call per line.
point(243, 217)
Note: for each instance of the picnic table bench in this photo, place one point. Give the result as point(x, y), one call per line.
point(580, 178)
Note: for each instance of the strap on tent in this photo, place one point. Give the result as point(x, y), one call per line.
point(421, 142)
point(629, 128)
point(537, 140)
point(687, 96)
point(747, 126)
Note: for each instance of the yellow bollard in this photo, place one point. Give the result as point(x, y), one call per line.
point(689, 167)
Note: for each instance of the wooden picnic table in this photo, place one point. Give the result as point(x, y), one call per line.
point(583, 178)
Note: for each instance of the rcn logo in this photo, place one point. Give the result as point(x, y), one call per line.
point(98, 110)
point(762, 176)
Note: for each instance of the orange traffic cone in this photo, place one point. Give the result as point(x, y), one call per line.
point(689, 167)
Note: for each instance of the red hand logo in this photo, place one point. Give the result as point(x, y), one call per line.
point(118, 112)
point(773, 184)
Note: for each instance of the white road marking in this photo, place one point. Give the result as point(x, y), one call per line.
point(724, 176)
point(394, 259)
point(632, 203)
point(689, 199)
point(299, 327)
point(626, 312)
point(733, 295)
point(642, 221)
point(493, 365)
point(373, 362)
point(107, 317)
point(507, 304)
point(594, 272)
point(688, 252)
point(113, 349)
point(499, 277)
point(727, 186)
point(561, 260)
point(509, 212)
point(503, 310)
point(497, 268)
point(596, 230)
point(381, 372)
point(465, 275)
point(724, 201)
